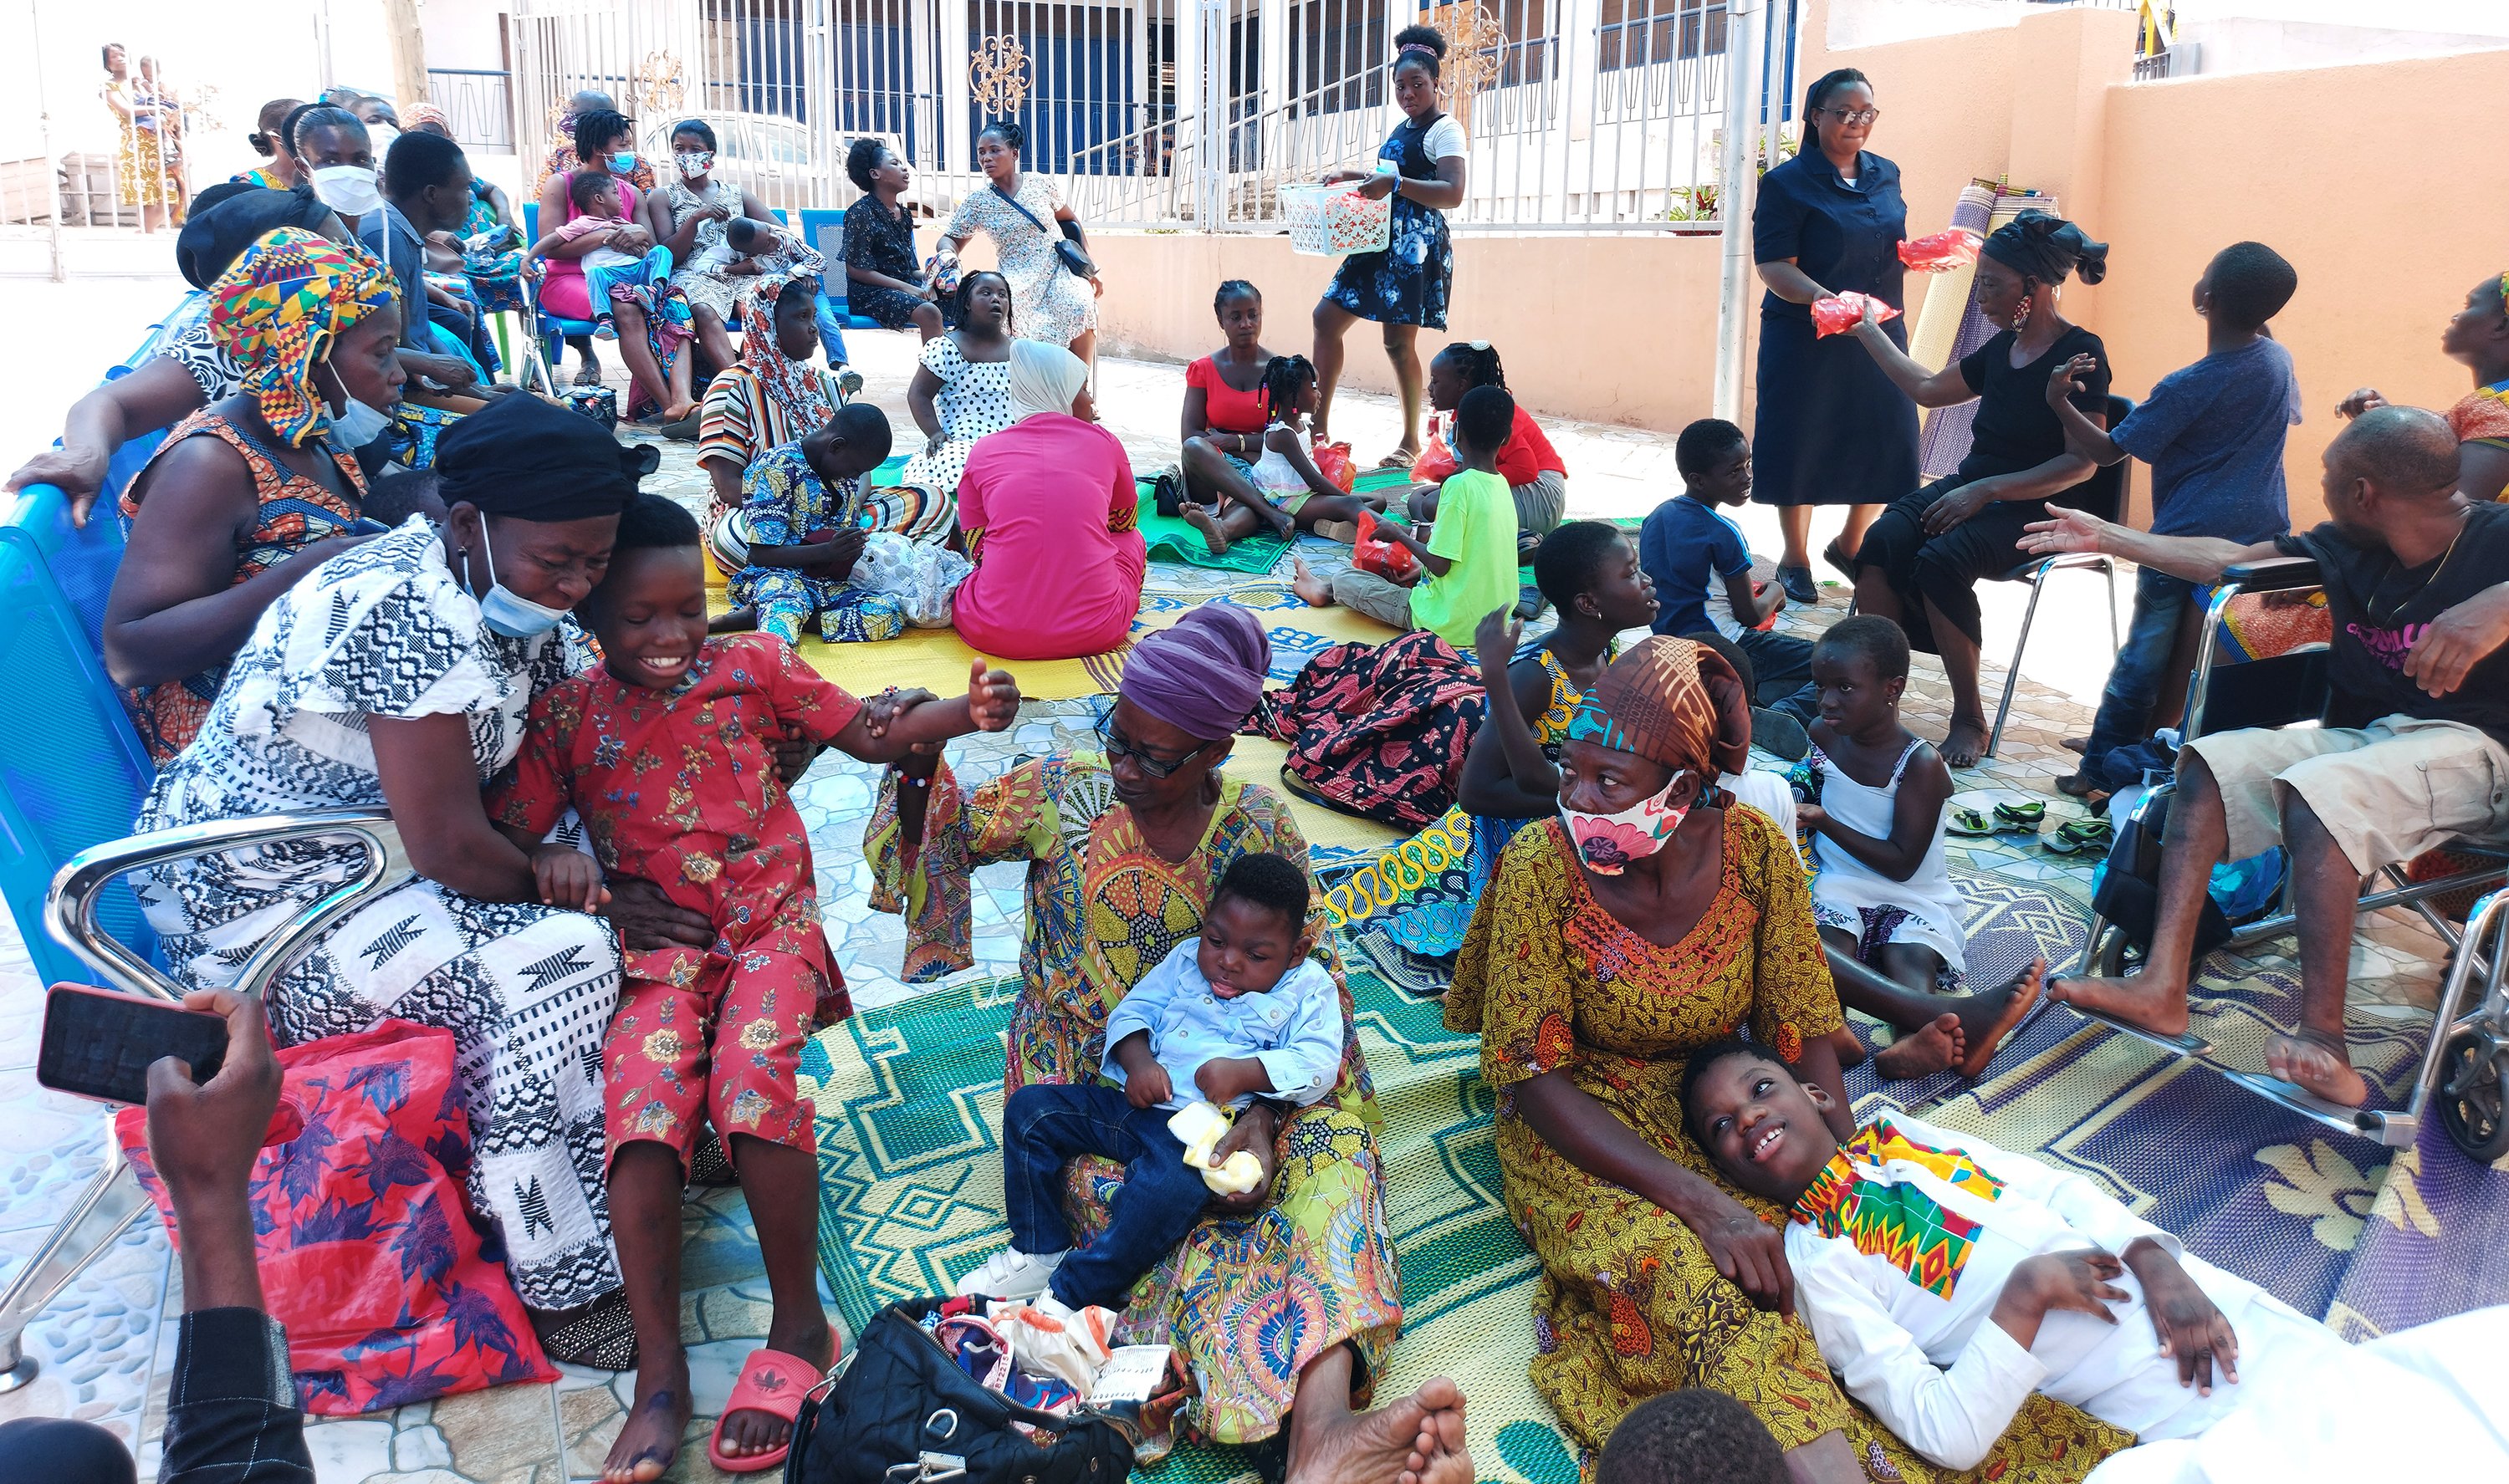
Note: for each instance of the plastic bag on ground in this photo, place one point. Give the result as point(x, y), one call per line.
point(924, 579)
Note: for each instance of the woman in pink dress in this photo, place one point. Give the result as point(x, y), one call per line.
point(1047, 506)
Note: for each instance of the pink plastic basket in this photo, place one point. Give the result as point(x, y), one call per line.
point(1332, 221)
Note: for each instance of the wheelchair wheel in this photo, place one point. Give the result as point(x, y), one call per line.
point(2474, 1093)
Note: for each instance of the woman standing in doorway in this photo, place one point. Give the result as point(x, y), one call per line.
point(1421, 165)
point(1052, 300)
point(1832, 430)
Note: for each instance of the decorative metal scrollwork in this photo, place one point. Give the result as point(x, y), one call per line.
point(997, 74)
point(661, 83)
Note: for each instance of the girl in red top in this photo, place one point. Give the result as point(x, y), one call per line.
point(1223, 430)
point(1531, 468)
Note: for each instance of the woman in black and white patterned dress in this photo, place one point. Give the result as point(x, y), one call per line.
point(398, 675)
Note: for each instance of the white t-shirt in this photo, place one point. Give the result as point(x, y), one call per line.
point(1445, 139)
point(1902, 1249)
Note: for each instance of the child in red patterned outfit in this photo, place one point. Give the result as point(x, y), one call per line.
point(665, 754)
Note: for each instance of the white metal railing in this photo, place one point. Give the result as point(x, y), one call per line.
point(1580, 113)
point(479, 103)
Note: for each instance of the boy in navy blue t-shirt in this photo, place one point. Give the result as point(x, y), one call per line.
point(2213, 434)
point(1702, 569)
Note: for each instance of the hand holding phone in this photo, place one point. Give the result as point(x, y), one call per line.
point(99, 1044)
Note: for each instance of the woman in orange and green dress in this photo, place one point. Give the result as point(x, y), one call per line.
point(1652, 916)
point(1284, 1300)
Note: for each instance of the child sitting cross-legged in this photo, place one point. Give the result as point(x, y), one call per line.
point(1883, 896)
point(1237, 1012)
point(1284, 490)
point(664, 753)
point(1467, 564)
point(1947, 1281)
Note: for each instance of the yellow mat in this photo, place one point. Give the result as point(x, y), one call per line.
point(1258, 759)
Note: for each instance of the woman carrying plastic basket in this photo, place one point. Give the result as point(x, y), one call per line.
point(1403, 288)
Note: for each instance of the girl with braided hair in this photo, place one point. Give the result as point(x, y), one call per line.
point(1284, 490)
point(1533, 471)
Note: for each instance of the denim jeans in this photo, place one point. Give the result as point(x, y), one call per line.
point(2134, 680)
point(1782, 673)
point(1045, 1127)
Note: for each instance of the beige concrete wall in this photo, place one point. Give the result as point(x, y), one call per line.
point(1612, 329)
point(2366, 177)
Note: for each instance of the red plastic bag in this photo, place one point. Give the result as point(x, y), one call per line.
point(366, 1249)
point(1845, 312)
point(1436, 463)
point(1333, 462)
point(1391, 560)
point(1947, 249)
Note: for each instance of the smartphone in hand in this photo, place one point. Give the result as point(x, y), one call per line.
point(99, 1044)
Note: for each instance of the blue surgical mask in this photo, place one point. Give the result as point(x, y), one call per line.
point(622, 163)
point(504, 611)
point(359, 425)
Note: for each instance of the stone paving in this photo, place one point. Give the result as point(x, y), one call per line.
point(106, 1346)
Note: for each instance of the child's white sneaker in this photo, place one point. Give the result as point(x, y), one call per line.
point(1011, 1273)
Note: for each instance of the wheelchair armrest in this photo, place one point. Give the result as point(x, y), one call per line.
point(70, 909)
point(2273, 574)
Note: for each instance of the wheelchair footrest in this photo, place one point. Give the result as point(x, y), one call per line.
point(2184, 1046)
point(2393, 1128)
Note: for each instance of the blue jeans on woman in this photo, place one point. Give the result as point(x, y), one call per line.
point(2142, 663)
point(1046, 1127)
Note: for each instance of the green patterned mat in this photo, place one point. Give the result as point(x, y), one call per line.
point(909, 1102)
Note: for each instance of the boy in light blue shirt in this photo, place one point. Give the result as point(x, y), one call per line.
point(1238, 1012)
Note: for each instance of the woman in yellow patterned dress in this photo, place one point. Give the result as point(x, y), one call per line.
point(142, 125)
point(1649, 918)
point(1283, 1301)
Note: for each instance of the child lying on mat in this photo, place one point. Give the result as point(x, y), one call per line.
point(1947, 1279)
point(800, 517)
point(1284, 491)
point(664, 753)
point(1236, 1012)
point(1883, 896)
point(1466, 566)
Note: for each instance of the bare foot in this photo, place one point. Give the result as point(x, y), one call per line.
point(1437, 1455)
point(1982, 1037)
point(2138, 999)
point(1313, 589)
point(1204, 521)
point(1849, 1046)
point(2078, 744)
point(1965, 743)
point(660, 1414)
point(1922, 1053)
point(750, 1431)
point(1378, 1447)
point(2317, 1066)
point(678, 411)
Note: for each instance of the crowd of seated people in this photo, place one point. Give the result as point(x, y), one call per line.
point(496, 646)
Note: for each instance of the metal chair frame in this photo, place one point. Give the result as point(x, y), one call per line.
point(2036, 575)
point(2483, 944)
point(112, 1198)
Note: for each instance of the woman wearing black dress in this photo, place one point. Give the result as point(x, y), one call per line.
point(882, 280)
point(1831, 431)
point(1924, 557)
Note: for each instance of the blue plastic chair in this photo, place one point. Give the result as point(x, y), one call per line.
point(825, 230)
point(72, 773)
point(81, 563)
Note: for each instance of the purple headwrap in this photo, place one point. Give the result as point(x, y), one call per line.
point(1202, 674)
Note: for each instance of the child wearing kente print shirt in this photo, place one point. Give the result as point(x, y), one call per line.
point(1946, 1279)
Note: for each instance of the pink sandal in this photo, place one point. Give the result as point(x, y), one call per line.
point(770, 1382)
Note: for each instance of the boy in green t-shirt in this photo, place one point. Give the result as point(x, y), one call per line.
point(1468, 562)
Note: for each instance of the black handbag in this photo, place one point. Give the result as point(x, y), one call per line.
point(1065, 249)
point(902, 1412)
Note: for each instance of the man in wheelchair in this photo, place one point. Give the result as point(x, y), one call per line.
point(2415, 747)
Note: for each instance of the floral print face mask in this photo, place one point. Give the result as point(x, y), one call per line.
point(1608, 842)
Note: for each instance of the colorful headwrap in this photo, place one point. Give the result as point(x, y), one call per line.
point(791, 384)
point(417, 115)
point(1202, 674)
point(277, 310)
point(1670, 701)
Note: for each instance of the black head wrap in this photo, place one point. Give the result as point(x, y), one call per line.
point(2047, 248)
point(530, 459)
point(228, 217)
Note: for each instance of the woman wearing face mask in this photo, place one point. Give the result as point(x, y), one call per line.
point(337, 157)
point(192, 367)
point(1652, 916)
point(248, 495)
point(604, 141)
point(399, 678)
point(687, 216)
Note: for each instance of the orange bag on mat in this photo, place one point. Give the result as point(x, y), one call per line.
point(1391, 560)
point(1333, 462)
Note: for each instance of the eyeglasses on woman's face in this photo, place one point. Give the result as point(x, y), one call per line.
point(1854, 116)
point(1117, 745)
